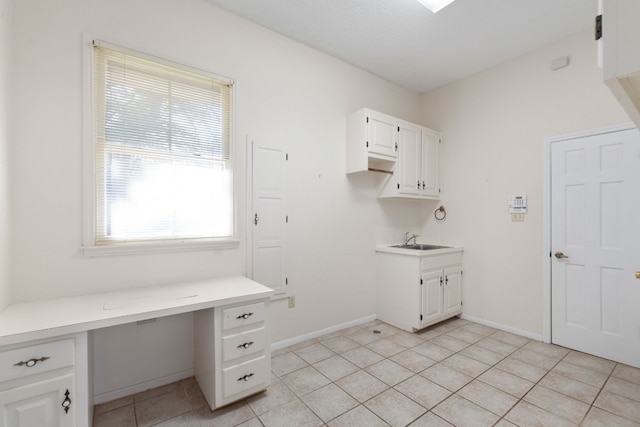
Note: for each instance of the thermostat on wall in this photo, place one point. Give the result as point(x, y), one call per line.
point(518, 204)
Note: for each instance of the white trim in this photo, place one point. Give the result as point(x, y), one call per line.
point(140, 387)
point(301, 338)
point(158, 247)
point(516, 331)
point(546, 200)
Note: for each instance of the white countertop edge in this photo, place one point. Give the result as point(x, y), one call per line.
point(417, 253)
point(49, 318)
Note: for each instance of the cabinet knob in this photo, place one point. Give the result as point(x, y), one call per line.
point(245, 316)
point(560, 255)
point(245, 377)
point(246, 345)
point(66, 403)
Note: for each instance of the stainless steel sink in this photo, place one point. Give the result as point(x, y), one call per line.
point(420, 247)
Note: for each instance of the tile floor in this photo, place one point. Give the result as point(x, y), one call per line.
point(455, 373)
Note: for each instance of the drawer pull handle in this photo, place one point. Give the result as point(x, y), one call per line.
point(246, 345)
point(31, 362)
point(245, 316)
point(66, 403)
point(245, 378)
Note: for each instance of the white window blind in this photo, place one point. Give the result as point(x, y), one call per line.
point(162, 150)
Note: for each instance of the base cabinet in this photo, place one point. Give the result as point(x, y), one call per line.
point(232, 352)
point(45, 384)
point(415, 292)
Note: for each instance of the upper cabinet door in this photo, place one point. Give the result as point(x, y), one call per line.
point(430, 152)
point(409, 162)
point(382, 134)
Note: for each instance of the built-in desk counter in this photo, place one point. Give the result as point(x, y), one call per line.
point(44, 363)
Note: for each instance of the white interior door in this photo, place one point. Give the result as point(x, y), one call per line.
point(269, 216)
point(595, 241)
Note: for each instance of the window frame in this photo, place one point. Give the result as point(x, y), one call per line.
point(89, 246)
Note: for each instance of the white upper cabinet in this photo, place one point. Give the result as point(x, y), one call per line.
point(415, 175)
point(372, 141)
point(621, 53)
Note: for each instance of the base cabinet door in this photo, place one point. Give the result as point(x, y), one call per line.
point(452, 290)
point(48, 403)
point(431, 306)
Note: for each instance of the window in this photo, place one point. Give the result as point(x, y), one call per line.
point(161, 150)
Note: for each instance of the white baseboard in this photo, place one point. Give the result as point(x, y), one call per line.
point(295, 340)
point(137, 388)
point(537, 337)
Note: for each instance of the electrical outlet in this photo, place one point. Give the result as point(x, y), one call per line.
point(292, 301)
point(517, 217)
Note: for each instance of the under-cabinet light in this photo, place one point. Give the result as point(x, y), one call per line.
point(435, 5)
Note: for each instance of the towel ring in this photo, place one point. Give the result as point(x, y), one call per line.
point(443, 213)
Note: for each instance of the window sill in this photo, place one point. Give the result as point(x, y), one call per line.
point(158, 247)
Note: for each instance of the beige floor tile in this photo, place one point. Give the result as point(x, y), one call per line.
point(504, 423)
point(433, 351)
point(293, 414)
point(340, 344)
point(428, 334)
point(461, 413)
point(335, 367)
point(488, 397)
point(590, 362)
point(362, 357)
point(509, 338)
point(465, 335)
point(526, 415)
point(497, 346)
point(482, 354)
point(161, 408)
point(556, 403)
point(155, 392)
point(627, 373)
point(506, 382)
point(623, 388)
point(599, 418)
point(534, 358)
point(194, 393)
point(314, 353)
point(305, 380)
point(429, 420)
point(619, 405)
point(275, 395)
point(406, 339)
point(253, 422)
point(362, 385)
point(123, 416)
point(446, 377)
point(480, 329)
point(579, 373)
point(358, 417)
point(389, 372)
point(549, 350)
point(466, 365)
point(419, 389)
point(413, 361)
point(329, 402)
point(452, 343)
point(576, 389)
point(385, 348)
point(365, 336)
point(395, 408)
point(184, 420)
point(521, 369)
point(112, 404)
point(286, 363)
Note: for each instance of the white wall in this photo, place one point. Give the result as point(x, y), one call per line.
point(494, 125)
point(5, 194)
point(283, 90)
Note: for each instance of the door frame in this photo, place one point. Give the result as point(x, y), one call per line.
point(547, 249)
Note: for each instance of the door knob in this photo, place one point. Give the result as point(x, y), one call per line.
point(637, 274)
point(560, 255)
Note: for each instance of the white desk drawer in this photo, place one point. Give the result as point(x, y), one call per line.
point(244, 377)
point(242, 315)
point(36, 359)
point(234, 346)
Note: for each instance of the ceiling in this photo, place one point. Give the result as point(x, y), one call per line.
point(403, 42)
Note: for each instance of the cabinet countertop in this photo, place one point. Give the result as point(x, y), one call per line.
point(47, 318)
point(418, 253)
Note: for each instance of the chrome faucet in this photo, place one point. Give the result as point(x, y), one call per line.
point(408, 238)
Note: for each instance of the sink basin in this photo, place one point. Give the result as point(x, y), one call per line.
point(420, 247)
